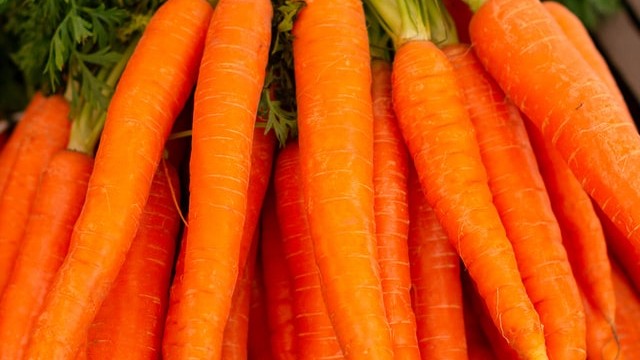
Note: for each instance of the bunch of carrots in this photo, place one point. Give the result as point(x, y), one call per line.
point(317, 179)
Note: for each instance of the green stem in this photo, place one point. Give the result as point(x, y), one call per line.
point(379, 39)
point(87, 126)
point(474, 4)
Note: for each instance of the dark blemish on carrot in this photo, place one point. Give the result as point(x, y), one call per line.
point(579, 106)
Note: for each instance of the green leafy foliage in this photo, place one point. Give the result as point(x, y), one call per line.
point(592, 12)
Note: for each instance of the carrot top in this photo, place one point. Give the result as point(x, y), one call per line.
point(414, 20)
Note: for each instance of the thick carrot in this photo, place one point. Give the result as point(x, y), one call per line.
point(278, 282)
point(131, 320)
point(17, 136)
point(525, 51)
point(602, 342)
point(521, 198)
point(579, 37)
point(56, 207)
point(259, 344)
point(436, 287)
point(582, 232)
point(316, 337)
point(627, 314)
point(390, 172)
point(47, 132)
point(230, 81)
point(152, 90)
point(236, 332)
point(333, 92)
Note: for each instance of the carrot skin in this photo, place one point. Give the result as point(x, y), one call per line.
point(333, 91)
point(176, 294)
point(48, 133)
point(602, 342)
point(522, 201)
point(442, 144)
point(278, 282)
point(151, 92)
point(230, 80)
point(259, 345)
point(131, 320)
point(627, 313)
point(316, 337)
point(517, 41)
point(436, 287)
point(390, 172)
point(56, 207)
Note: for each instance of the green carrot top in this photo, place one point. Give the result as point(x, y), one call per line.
point(79, 48)
point(408, 20)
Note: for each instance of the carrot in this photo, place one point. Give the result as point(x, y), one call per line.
point(236, 331)
point(478, 346)
point(390, 172)
point(44, 245)
point(521, 198)
point(131, 320)
point(278, 291)
point(602, 341)
point(259, 345)
point(435, 275)
point(627, 314)
point(152, 90)
point(333, 92)
point(316, 337)
point(525, 51)
point(47, 132)
point(582, 232)
point(231, 76)
point(176, 294)
point(441, 140)
point(22, 130)
point(579, 37)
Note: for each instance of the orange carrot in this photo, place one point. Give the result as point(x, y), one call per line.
point(230, 81)
point(582, 232)
point(523, 203)
point(152, 90)
point(478, 346)
point(278, 282)
point(435, 275)
point(602, 342)
point(441, 140)
point(333, 92)
point(259, 345)
point(131, 320)
point(236, 331)
point(21, 130)
point(522, 47)
point(176, 294)
point(627, 314)
point(46, 130)
point(579, 37)
point(56, 206)
point(316, 337)
point(390, 172)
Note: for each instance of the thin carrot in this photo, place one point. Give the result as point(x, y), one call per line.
point(230, 81)
point(441, 140)
point(46, 131)
point(152, 90)
point(602, 342)
point(521, 198)
point(131, 319)
point(333, 92)
point(522, 47)
point(390, 172)
point(582, 232)
point(278, 282)
point(176, 294)
point(316, 337)
point(436, 287)
point(259, 345)
point(579, 37)
point(56, 207)
point(478, 346)
point(21, 130)
point(621, 249)
point(627, 314)
point(236, 332)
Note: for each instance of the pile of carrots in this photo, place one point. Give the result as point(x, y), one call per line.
point(326, 179)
